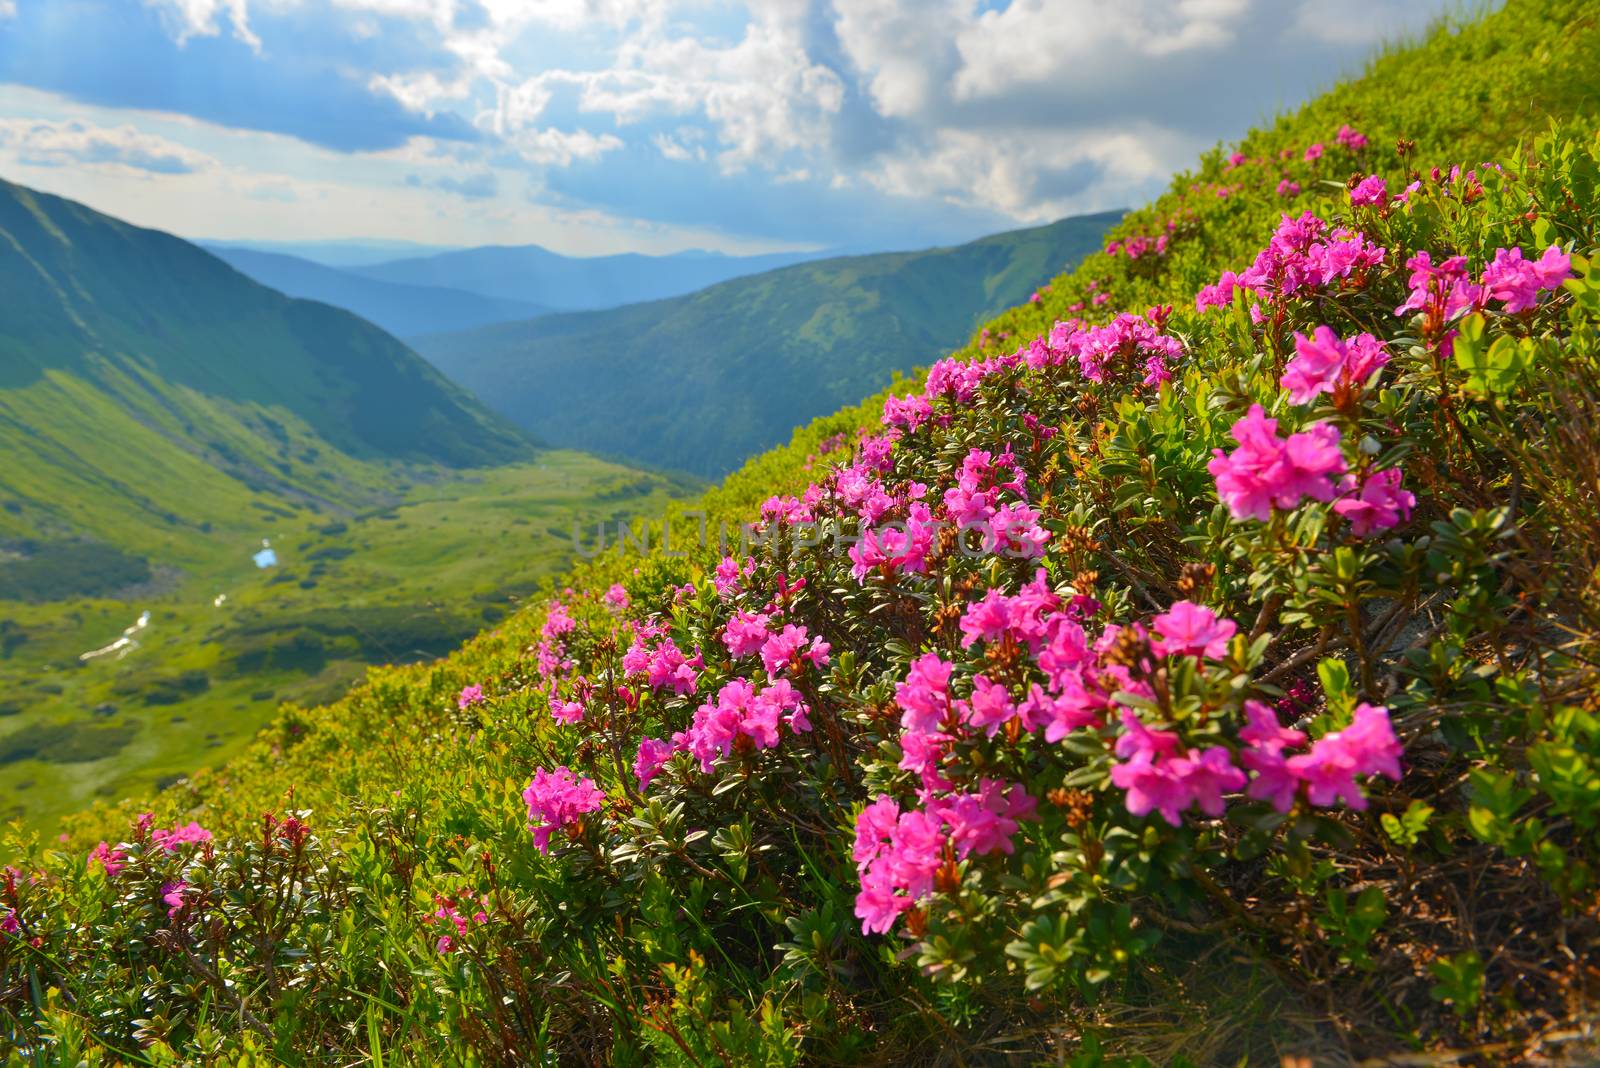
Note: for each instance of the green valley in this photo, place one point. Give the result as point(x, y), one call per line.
point(161, 415)
point(762, 353)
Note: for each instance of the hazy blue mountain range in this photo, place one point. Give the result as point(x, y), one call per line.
point(699, 382)
point(403, 310)
point(534, 274)
point(356, 252)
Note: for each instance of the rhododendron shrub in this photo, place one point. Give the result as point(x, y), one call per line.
point(1217, 628)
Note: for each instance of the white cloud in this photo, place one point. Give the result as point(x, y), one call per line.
point(421, 91)
point(198, 18)
point(561, 148)
point(45, 143)
point(8, 8)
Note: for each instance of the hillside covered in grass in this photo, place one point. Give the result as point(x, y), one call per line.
point(160, 416)
point(1197, 667)
point(709, 378)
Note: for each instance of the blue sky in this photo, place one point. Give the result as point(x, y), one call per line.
point(594, 126)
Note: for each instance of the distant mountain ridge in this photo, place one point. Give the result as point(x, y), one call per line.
point(143, 379)
point(699, 382)
point(403, 310)
point(537, 275)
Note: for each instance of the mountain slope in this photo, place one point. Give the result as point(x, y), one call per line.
point(138, 368)
point(161, 415)
point(709, 378)
point(533, 274)
point(403, 310)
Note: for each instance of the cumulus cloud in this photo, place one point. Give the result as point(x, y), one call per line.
point(1009, 110)
point(199, 18)
point(59, 144)
point(550, 147)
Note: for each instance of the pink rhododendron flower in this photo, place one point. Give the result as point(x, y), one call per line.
point(984, 822)
point(469, 696)
point(110, 858)
point(1371, 190)
point(557, 800)
point(1517, 281)
point(1263, 731)
point(924, 698)
point(172, 895)
point(1313, 152)
point(907, 413)
point(726, 578)
point(1366, 747)
point(1267, 471)
point(1207, 775)
point(1218, 295)
point(746, 633)
point(557, 621)
point(782, 652)
point(1443, 291)
point(1288, 188)
point(189, 834)
point(1322, 362)
point(895, 547)
point(568, 712)
point(1192, 629)
point(617, 597)
point(668, 668)
point(1350, 138)
point(1375, 504)
point(1138, 740)
point(989, 707)
point(652, 757)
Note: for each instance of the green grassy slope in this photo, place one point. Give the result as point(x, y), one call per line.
point(656, 937)
point(709, 378)
point(160, 414)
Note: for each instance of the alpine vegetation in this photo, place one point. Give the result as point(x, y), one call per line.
point(1211, 679)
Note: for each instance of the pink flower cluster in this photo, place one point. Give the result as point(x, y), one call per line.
point(173, 895)
point(1324, 364)
point(1445, 291)
point(1302, 257)
point(664, 666)
point(469, 696)
point(110, 858)
point(1369, 192)
point(557, 800)
point(1160, 776)
point(1267, 470)
point(1328, 769)
point(898, 854)
point(1374, 502)
point(171, 839)
point(1127, 343)
point(896, 548)
point(741, 712)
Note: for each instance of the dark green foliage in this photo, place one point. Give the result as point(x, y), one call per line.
point(66, 743)
point(58, 570)
point(699, 382)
